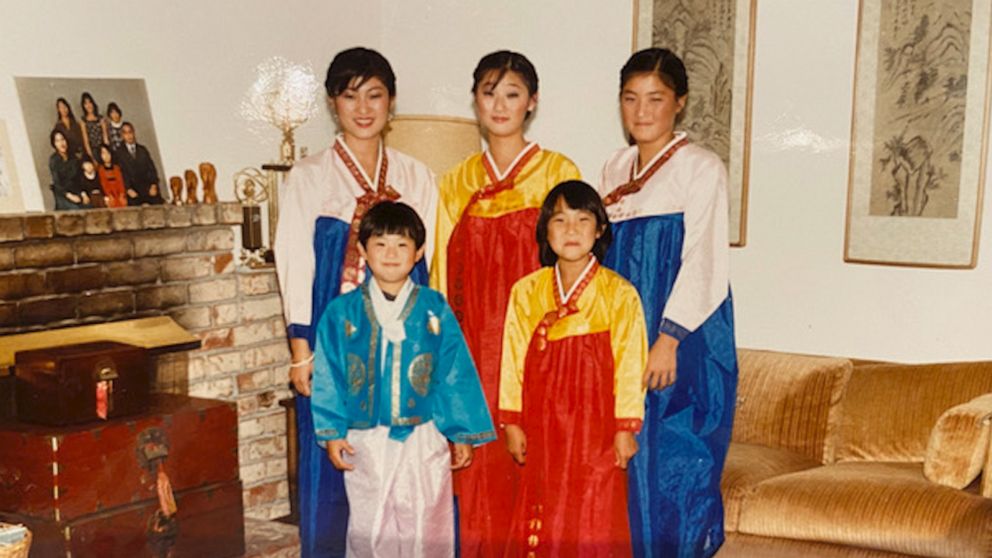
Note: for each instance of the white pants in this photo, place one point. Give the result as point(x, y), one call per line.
point(399, 495)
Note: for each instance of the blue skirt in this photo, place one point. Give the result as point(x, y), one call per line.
point(674, 480)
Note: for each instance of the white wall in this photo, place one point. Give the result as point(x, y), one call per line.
point(198, 59)
point(792, 289)
point(577, 48)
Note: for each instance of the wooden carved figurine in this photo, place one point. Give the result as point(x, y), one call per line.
point(176, 185)
point(191, 183)
point(209, 175)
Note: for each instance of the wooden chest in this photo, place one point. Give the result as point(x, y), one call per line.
point(81, 383)
point(92, 489)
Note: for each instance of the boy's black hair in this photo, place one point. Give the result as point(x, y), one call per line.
point(389, 217)
point(358, 63)
point(577, 195)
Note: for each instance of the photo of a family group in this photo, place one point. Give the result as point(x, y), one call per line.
point(93, 142)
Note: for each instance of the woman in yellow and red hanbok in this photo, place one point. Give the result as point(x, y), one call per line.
point(571, 392)
point(487, 211)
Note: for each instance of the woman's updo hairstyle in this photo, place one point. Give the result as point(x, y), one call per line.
point(661, 62)
point(501, 62)
point(358, 63)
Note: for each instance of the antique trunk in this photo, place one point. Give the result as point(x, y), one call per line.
point(96, 489)
point(6, 393)
point(208, 524)
point(81, 383)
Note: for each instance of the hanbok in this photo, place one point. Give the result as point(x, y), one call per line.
point(571, 379)
point(396, 379)
point(670, 240)
point(321, 203)
point(485, 243)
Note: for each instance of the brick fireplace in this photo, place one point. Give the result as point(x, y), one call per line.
point(81, 267)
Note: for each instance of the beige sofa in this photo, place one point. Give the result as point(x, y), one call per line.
point(833, 457)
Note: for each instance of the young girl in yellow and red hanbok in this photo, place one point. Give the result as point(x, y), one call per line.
point(571, 392)
point(487, 212)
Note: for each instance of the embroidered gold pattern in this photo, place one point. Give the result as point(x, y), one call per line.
point(469, 438)
point(349, 329)
point(407, 421)
point(373, 345)
point(356, 373)
point(395, 395)
point(420, 373)
point(433, 324)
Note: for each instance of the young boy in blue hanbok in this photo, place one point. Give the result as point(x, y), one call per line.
point(393, 383)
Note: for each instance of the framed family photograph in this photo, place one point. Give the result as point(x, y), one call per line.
point(91, 135)
point(715, 39)
point(918, 136)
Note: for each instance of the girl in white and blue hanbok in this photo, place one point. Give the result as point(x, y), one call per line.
point(317, 257)
point(667, 201)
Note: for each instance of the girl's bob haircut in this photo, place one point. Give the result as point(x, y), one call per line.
point(576, 195)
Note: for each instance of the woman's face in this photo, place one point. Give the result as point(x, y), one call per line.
point(649, 108)
point(114, 115)
point(502, 106)
point(60, 144)
point(88, 106)
point(62, 108)
point(363, 111)
point(106, 156)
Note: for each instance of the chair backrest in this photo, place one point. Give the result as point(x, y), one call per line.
point(440, 142)
point(789, 401)
point(889, 410)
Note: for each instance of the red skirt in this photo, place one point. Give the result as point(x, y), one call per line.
point(573, 497)
point(486, 256)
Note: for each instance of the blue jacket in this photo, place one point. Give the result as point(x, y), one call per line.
point(428, 376)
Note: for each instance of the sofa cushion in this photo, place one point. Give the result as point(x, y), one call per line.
point(889, 410)
point(749, 546)
point(885, 506)
point(749, 464)
point(959, 443)
point(789, 401)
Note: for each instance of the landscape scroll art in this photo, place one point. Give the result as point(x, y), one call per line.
point(715, 39)
point(918, 139)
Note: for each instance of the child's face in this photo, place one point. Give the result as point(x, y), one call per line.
point(572, 232)
point(391, 258)
point(88, 168)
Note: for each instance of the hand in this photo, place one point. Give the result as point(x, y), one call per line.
point(153, 190)
point(300, 375)
point(132, 193)
point(625, 446)
point(72, 197)
point(660, 371)
point(336, 450)
point(516, 443)
point(461, 456)
point(86, 198)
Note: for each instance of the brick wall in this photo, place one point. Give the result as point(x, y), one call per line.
point(68, 268)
